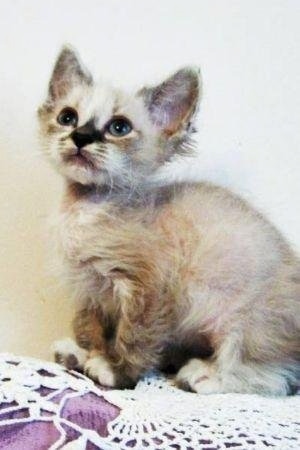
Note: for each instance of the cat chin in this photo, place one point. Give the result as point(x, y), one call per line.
point(84, 175)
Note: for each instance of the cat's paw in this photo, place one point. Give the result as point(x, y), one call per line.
point(99, 369)
point(198, 376)
point(69, 354)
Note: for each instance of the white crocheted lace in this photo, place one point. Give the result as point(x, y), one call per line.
point(155, 415)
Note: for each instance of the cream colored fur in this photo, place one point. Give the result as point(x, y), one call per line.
point(199, 263)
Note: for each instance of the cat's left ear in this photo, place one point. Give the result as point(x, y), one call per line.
point(68, 71)
point(173, 104)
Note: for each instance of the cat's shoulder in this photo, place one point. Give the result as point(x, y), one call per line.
point(203, 191)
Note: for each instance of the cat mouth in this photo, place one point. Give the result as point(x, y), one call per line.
point(80, 158)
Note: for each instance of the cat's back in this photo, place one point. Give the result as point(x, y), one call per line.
point(215, 203)
point(225, 250)
point(216, 210)
point(220, 232)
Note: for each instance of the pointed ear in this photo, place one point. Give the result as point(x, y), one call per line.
point(173, 103)
point(68, 71)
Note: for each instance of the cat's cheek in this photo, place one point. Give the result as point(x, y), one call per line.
point(115, 162)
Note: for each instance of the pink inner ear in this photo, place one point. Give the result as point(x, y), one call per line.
point(171, 116)
point(68, 71)
point(59, 88)
point(173, 103)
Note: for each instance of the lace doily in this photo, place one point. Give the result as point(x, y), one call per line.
point(155, 415)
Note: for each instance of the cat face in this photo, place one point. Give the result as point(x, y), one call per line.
point(95, 134)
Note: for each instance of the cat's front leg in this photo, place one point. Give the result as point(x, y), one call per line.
point(69, 354)
point(89, 332)
point(116, 350)
point(98, 367)
point(140, 335)
point(93, 363)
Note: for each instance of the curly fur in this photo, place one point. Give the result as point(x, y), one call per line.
point(181, 274)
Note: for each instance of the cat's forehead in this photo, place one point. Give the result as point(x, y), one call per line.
point(101, 101)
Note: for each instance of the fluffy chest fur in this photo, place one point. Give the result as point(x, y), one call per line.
point(170, 249)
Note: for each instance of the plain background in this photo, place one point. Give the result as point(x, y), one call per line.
point(248, 127)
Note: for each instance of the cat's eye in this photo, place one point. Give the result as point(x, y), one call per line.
point(119, 127)
point(67, 117)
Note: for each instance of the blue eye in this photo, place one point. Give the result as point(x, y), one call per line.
point(119, 127)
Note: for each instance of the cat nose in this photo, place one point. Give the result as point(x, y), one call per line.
point(81, 139)
point(87, 134)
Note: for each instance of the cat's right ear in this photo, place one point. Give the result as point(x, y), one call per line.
point(68, 71)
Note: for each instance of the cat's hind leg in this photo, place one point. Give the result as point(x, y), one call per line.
point(205, 378)
point(230, 371)
point(198, 375)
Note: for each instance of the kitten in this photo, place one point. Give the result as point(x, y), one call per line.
point(181, 276)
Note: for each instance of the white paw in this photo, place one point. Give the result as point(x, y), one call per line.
point(99, 369)
point(198, 376)
point(69, 354)
point(210, 386)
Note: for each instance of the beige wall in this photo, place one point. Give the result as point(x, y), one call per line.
point(33, 310)
point(249, 134)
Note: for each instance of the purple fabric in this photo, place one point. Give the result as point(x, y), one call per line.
point(32, 435)
point(87, 411)
point(90, 412)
